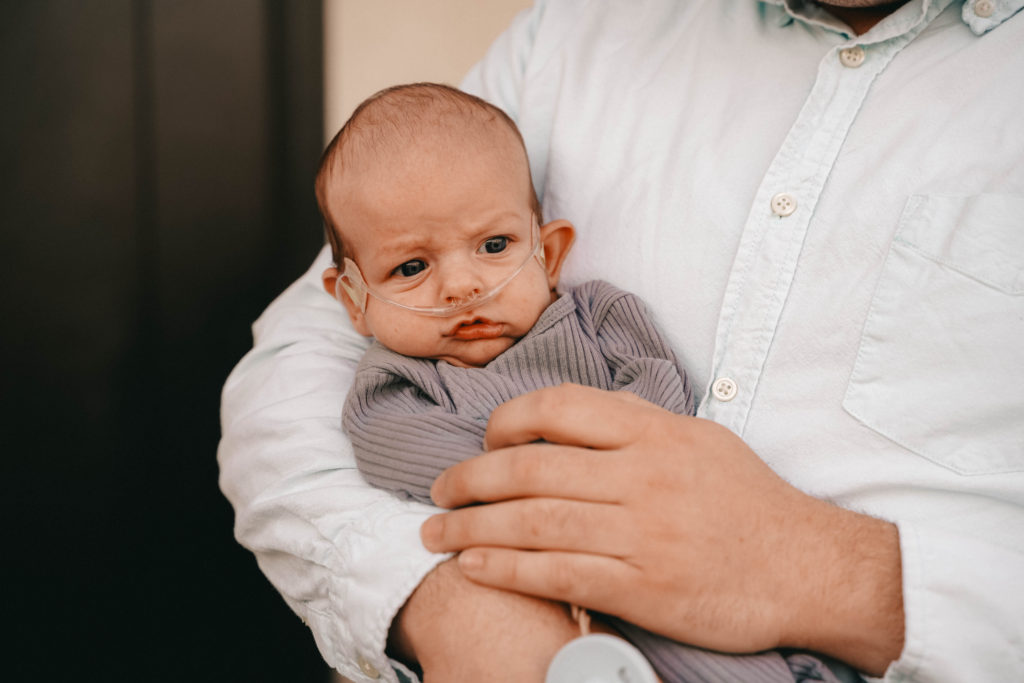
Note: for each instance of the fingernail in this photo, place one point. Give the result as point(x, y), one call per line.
point(471, 561)
point(430, 532)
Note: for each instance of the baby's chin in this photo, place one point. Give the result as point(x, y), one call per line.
point(478, 353)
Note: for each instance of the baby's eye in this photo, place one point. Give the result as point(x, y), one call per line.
point(410, 268)
point(494, 245)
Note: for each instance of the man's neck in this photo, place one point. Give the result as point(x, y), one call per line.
point(862, 19)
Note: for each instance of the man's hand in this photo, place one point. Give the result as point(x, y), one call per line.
point(460, 631)
point(672, 523)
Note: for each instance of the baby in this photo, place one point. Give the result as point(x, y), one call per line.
point(441, 254)
point(443, 257)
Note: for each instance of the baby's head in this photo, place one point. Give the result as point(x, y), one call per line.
point(427, 201)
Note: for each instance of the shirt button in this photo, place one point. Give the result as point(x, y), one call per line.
point(984, 8)
point(367, 668)
point(783, 204)
point(724, 389)
point(853, 57)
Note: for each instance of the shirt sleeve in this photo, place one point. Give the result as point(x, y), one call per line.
point(344, 555)
point(639, 357)
point(962, 603)
point(403, 426)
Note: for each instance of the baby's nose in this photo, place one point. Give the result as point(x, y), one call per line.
point(461, 284)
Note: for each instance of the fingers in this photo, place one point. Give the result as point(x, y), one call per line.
point(588, 425)
point(571, 415)
point(533, 524)
point(567, 414)
point(530, 471)
point(578, 578)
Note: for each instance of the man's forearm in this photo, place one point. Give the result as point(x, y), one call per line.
point(460, 631)
point(852, 601)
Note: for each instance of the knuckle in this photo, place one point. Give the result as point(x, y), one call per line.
point(540, 522)
point(554, 523)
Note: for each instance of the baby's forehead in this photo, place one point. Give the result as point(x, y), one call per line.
point(432, 134)
point(373, 163)
point(435, 158)
point(398, 147)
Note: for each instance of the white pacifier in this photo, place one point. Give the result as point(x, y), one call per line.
point(600, 658)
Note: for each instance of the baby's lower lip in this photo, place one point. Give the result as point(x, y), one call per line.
point(478, 331)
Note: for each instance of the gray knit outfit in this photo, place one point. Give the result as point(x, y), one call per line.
point(409, 419)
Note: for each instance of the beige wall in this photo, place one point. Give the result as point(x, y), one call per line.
point(371, 44)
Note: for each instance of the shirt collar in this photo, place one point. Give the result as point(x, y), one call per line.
point(980, 15)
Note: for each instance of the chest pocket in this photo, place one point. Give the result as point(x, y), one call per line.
point(940, 369)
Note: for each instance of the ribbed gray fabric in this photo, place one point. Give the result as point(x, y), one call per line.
point(678, 663)
point(409, 419)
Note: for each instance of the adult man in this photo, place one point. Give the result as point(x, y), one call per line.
point(826, 202)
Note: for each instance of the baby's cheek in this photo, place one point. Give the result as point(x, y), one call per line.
point(405, 334)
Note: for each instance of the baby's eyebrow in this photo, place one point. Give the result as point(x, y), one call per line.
point(504, 221)
point(400, 246)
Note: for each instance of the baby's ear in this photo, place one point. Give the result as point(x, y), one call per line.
point(330, 280)
point(557, 238)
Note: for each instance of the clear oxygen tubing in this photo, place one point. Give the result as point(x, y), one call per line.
point(352, 283)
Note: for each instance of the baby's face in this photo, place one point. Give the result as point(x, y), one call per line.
point(428, 232)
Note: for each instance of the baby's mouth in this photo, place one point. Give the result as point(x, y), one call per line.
point(476, 328)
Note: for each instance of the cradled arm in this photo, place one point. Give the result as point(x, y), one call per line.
point(347, 556)
point(325, 539)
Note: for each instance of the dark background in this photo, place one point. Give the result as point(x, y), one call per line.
point(157, 163)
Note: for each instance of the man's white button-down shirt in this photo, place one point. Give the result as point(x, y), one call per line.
point(830, 230)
